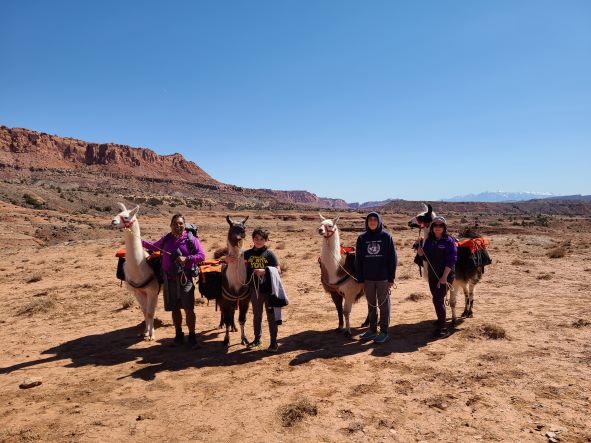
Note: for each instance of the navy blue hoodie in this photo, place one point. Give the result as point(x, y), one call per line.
point(375, 254)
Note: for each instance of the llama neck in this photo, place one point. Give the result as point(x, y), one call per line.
point(330, 255)
point(134, 253)
point(236, 272)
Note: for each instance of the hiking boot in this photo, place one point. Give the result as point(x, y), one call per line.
point(179, 338)
point(381, 337)
point(255, 344)
point(273, 347)
point(192, 341)
point(368, 335)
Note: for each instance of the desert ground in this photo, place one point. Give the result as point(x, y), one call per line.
point(520, 370)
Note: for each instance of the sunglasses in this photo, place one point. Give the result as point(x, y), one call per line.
point(438, 225)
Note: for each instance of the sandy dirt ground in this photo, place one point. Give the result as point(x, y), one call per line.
point(64, 320)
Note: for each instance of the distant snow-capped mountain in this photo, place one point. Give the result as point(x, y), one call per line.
point(499, 196)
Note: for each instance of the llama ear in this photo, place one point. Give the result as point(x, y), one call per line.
point(133, 212)
point(321, 217)
point(430, 208)
point(334, 223)
point(229, 220)
point(245, 218)
point(122, 207)
point(425, 208)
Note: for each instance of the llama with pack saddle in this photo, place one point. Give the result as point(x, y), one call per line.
point(337, 274)
point(235, 289)
point(140, 279)
point(469, 268)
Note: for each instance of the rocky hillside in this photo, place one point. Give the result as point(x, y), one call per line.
point(69, 163)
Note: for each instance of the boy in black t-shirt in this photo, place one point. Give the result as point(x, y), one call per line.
point(257, 259)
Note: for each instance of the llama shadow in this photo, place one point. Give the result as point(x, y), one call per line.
point(404, 338)
point(117, 347)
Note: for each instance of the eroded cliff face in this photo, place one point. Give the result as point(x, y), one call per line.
point(25, 149)
point(43, 156)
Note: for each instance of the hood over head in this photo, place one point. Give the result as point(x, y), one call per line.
point(379, 217)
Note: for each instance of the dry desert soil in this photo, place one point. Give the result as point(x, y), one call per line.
point(520, 370)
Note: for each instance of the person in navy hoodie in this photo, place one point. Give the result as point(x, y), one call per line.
point(375, 263)
point(442, 253)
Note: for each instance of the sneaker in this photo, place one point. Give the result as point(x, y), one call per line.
point(273, 347)
point(255, 344)
point(368, 335)
point(381, 337)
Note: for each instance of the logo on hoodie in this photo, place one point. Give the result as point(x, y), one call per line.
point(373, 248)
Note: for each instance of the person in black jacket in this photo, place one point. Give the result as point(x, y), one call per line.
point(375, 262)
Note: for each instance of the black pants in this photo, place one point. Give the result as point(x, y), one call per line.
point(438, 294)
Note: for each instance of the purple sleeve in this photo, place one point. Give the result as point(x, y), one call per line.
point(199, 256)
point(152, 246)
point(452, 253)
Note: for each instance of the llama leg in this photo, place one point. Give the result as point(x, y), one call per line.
point(338, 302)
point(470, 314)
point(242, 320)
point(453, 293)
point(141, 301)
point(228, 316)
point(347, 312)
point(466, 301)
point(151, 302)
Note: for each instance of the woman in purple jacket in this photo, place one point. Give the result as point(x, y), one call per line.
point(441, 252)
point(181, 252)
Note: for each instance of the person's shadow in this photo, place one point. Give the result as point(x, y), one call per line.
point(117, 347)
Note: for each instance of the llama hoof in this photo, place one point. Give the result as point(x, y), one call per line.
point(454, 322)
point(233, 329)
point(339, 329)
point(470, 315)
point(244, 341)
point(226, 341)
point(348, 334)
point(464, 314)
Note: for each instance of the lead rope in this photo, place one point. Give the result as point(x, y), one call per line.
point(449, 287)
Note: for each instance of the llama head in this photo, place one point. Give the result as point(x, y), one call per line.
point(237, 231)
point(327, 226)
point(423, 219)
point(126, 217)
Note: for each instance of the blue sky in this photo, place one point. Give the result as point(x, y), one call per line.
point(361, 100)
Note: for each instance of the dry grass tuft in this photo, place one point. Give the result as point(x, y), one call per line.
point(34, 278)
point(545, 276)
point(493, 332)
point(416, 296)
point(127, 301)
point(295, 412)
point(518, 262)
point(558, 252)
point(581, 323)
point(280, 245)
point(38, 305)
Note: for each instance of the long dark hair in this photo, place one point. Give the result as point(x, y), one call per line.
point(432, 234)
point(175, 216)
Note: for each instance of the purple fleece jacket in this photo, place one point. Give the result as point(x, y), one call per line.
point(442, 253)
point(171, 244)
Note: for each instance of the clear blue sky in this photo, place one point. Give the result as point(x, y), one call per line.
point(361, 100)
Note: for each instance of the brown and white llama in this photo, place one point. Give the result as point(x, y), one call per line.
point(235, 290)
point(139, 277)
point(336, 279)
point(465, 279)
